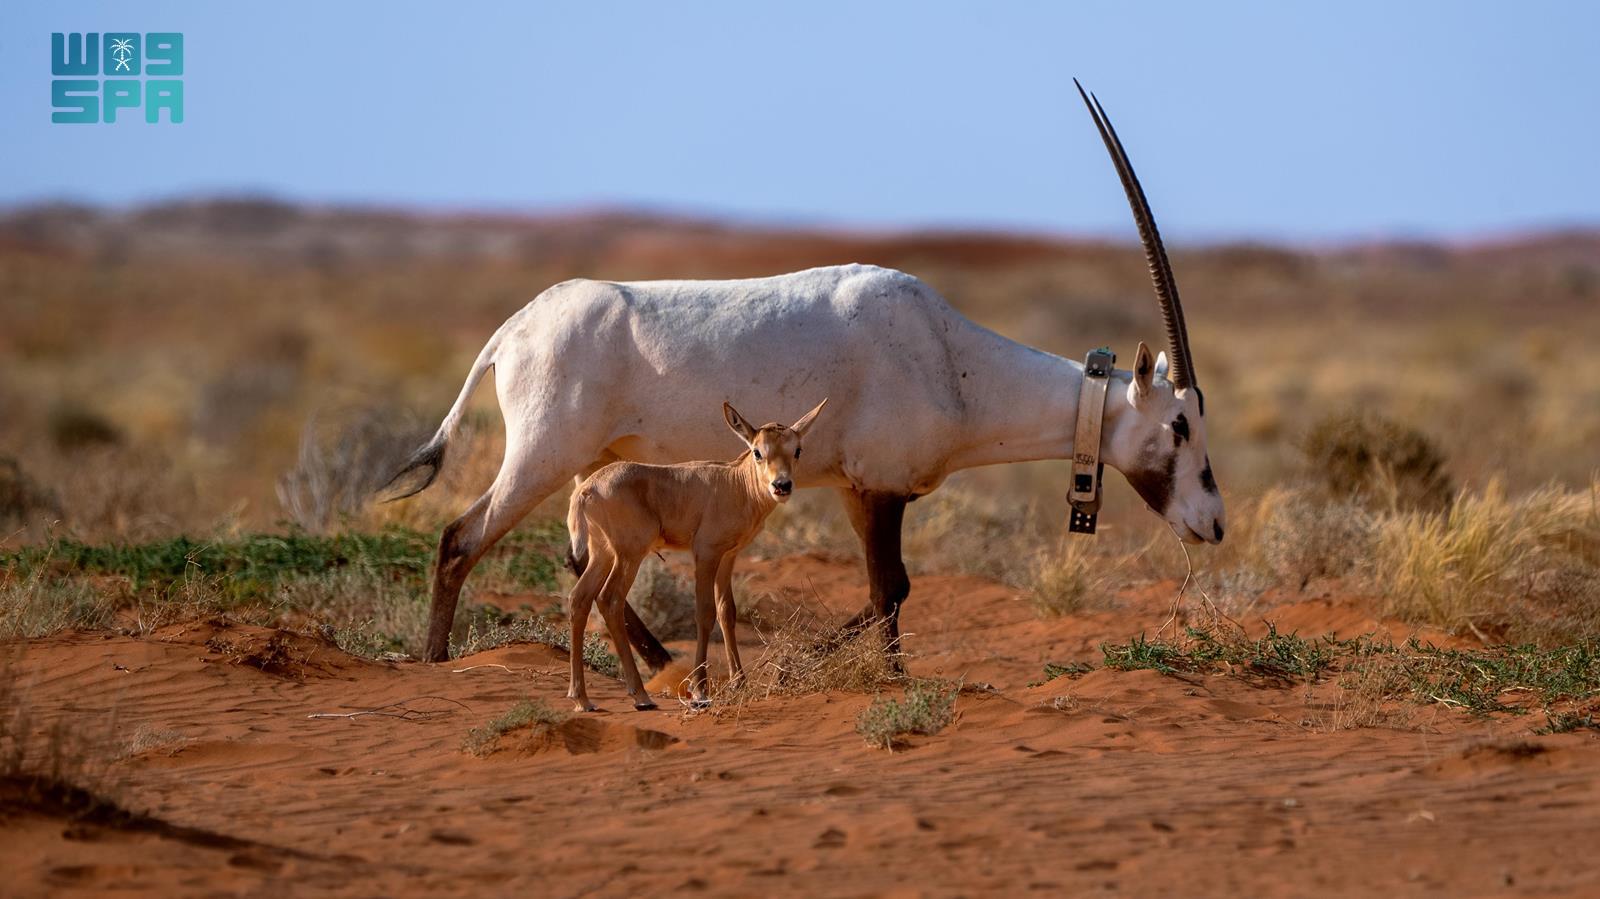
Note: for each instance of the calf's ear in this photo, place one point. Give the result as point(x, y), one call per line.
point(805, 421)
point(737, 422)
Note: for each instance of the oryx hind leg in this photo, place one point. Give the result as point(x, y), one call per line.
point(517, 489)
point(878, 518)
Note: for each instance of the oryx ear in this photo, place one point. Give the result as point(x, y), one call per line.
point(737, 422)
point(805, 421)
point(1161, 365)
point(1144, 370)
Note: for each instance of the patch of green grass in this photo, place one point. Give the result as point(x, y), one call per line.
point(1476, 680)
point(927, 707)
point(370, 590)
point(1140, 653)
point(1565, 723)
point(482, 741)
point(253, 566)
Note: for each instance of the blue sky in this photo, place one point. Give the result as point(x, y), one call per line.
point(1272, 121)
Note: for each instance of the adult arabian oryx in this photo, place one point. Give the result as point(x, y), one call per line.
point(595, 371)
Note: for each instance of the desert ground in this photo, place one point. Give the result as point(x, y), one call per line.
point(1385, 680)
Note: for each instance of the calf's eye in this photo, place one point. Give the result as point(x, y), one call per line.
point(797, 452)
point(758, 455)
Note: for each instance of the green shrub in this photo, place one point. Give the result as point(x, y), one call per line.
point(482, 741)
point(927, 707)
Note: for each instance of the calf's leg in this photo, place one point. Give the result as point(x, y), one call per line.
point(705, 608)
point(727, 617)
point(613, 599)
point(583, 597)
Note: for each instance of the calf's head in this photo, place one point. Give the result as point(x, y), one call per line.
point(774, 448)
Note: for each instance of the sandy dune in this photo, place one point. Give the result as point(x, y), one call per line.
point(1128, 783)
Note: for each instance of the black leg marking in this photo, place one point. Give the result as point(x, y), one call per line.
point(887, 581)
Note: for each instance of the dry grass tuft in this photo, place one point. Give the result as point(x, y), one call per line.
point(148, 738)
point(35, 604)
point(1068, 578)
point(1366, 696)
point(807, 654)
point(1492, 565)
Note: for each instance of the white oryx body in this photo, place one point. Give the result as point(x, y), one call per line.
point(594, 371)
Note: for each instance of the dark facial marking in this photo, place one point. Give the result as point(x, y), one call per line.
point(1206, 480)
point(1180, 429)
point(1154, 485)
point(1202, 400)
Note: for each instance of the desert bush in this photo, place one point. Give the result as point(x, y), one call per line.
point(925, 709)
point(74, 427)
point(122, 492)
point(364, 612)
point(482, 741)
point(1368, 458)
point(1302, 536)
point(256, 381)
point(344, 459)
point(22, 499)
point(1473, 568)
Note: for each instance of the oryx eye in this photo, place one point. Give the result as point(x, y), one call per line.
point(758, 454)
point(1180, 430)
point(797, 452)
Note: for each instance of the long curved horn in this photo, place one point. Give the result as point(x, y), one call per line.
point(1182, 365)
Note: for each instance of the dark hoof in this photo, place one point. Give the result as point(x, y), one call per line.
point(646, 706)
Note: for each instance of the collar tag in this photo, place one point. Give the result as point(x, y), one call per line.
point(1087, 469)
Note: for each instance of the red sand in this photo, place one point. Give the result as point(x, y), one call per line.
point(1133, 783)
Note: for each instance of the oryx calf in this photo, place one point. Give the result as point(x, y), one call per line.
point(712, 509)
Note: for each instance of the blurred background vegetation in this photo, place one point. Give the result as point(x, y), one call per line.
point(216, 367)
